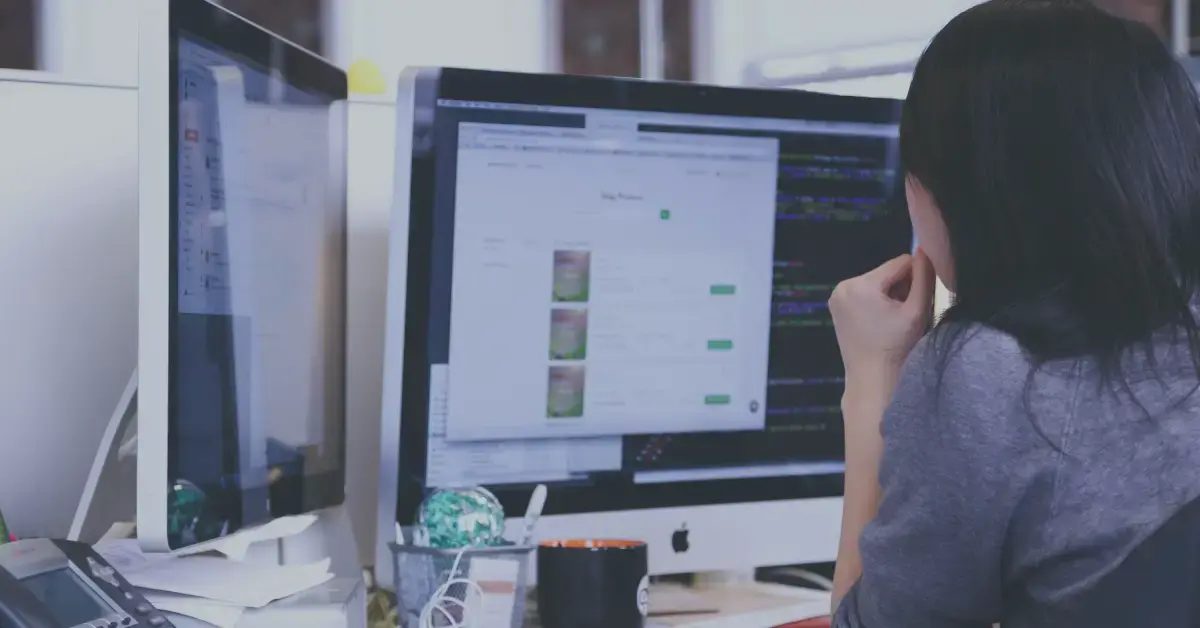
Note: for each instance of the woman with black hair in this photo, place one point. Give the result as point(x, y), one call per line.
point(1035, 459)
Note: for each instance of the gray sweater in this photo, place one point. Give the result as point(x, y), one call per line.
point(983, 521)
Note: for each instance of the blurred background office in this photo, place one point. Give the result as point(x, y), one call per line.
point(862, 46)
point(68, 167)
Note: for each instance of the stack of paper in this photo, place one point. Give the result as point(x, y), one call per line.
point(214, 583)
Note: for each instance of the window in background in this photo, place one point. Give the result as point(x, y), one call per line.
point(1193, 26)
point(601, 37)
point(18, 34)
point(878, 71)
point(677, 40)
point(772, 29)
point(604, 38)
point(852, 47)
point(300, 21)
point(1152, 13)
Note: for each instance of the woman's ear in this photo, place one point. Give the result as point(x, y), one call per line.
point(930, 228)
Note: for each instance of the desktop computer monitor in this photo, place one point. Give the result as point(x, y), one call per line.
point(242, 276)
point(618, 289)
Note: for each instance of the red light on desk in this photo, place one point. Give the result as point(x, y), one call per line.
point(820, 622)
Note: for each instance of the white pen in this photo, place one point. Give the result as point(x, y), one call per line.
point(536, 503)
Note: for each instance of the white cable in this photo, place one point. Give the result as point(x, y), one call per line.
point(441, 599)
point(825, 584)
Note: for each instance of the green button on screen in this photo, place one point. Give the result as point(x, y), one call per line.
point(720, 345)
point(716, 400)
point(722, 289)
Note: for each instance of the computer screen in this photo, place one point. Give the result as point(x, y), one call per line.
point(608, 281)
point(628, 303)
point(255, 311)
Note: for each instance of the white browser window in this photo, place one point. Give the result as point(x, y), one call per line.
point(608, 281)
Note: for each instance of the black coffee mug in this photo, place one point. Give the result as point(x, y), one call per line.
point(593, 584)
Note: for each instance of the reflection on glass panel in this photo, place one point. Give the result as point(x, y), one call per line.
point(299, 21)
point(259, 249)
point(18, 34)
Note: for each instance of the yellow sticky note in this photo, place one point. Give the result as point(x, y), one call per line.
point(365, 78)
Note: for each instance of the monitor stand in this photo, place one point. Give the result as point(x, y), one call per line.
point(108, 506)
point(330, 536)
point(724, 578)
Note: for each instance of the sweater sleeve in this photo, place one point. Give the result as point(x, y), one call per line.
point(932, 557)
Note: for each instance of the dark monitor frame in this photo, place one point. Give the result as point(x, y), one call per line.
point(434, 84)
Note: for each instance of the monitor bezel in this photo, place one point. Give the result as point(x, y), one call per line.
point(162, 24)
point(430, 85)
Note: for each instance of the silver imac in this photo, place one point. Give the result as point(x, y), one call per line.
point(617, 289)
point(242, 276)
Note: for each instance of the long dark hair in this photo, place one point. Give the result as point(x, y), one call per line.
point(1062, 146)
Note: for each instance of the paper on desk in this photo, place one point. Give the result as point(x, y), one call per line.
point(667, 600)
point(229, 581)
point(215, 613)
point(125, 555)
point(119, 530)
point(237, 544)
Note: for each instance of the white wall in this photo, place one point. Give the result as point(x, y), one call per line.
point(90, 40)
point(68, 276)
point(371, 166)
point(392, 34)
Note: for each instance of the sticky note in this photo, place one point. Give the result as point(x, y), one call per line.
point(365, 78)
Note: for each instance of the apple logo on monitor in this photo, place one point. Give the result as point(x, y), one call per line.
point(679, 540)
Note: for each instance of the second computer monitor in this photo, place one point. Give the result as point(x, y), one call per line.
point(242, 276)
point(618, 288)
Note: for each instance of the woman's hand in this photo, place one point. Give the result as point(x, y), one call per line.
point(879, 317)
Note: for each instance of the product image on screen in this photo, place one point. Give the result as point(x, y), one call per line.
point(256, 377)
point(631, 305)
point(571, 276)
point(70, 600)
point(566, 390)
point(568, 333)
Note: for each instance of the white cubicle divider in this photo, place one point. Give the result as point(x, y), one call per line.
point(68, 276)
point(372, 141)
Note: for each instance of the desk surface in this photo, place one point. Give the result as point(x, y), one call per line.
point(750, 605)
point(339, 603)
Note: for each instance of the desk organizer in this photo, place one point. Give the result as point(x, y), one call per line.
point(419, 571)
